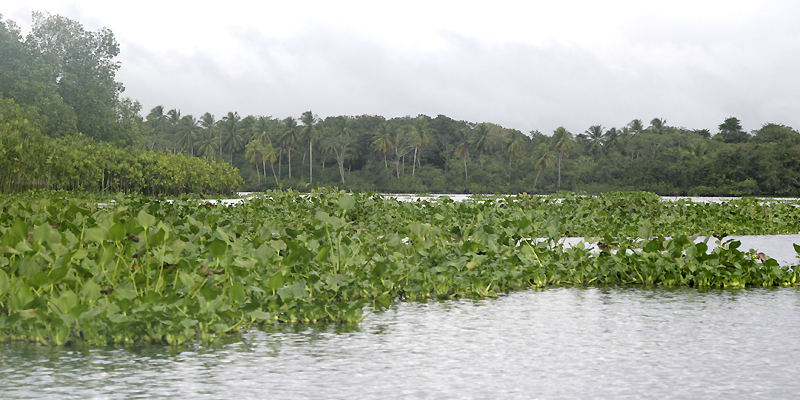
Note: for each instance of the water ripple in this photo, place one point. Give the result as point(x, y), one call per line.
point(555, 343)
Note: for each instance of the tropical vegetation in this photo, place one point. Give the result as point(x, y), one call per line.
point(59, 82)
point(139, 269)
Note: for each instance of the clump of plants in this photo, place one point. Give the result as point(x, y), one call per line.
point(139, 269)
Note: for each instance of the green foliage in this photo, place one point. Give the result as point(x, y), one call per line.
point(32, 161)
point(148, 270)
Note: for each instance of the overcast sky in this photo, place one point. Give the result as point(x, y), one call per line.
point(525, 65)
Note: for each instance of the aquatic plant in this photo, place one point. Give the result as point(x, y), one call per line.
point(139, 269)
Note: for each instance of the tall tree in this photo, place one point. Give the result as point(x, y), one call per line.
point(232, 136)
point(187, 130)
point(562, 144)
point(84, 69)
point(338, 138)
point(464, 144)
point(657, 125)
point(595, 136)
point(289, 139)
point(731, 131)
point(636, 126)
point(541, 164)
point(382, 139)
point(309, 120)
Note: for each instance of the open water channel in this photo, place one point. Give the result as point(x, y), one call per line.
point(553, 343)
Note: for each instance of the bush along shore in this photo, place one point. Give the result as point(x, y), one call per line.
point(141, 270)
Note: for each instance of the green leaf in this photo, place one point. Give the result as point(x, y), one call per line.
point(90, 291)
point(237, 292)
point(275, 282)
point(145, 220)
point(95, 234)
point(217, 248)
point(38, 279)
point(4, 283)
point(46, 234)
point(259, 315)
point(347, 202)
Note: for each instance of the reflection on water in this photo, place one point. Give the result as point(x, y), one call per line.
point(568, 342)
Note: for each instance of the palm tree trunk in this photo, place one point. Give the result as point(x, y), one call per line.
point(414, 165)
point(536, 180)
point(272, 166)
point(280, 163)
point(310, 163)
point(559, 170)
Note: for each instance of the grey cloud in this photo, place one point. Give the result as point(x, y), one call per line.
point(520, 86)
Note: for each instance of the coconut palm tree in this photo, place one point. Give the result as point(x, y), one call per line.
point(207, 144)
point(464, 145)
point(289, 139)
point(514, 148)
point(338, 139)
point(562, 144)
point(186, 132)
point(595, 135)
point(636, 126)
point(308, 119)
point(382, 139)
point(657, 125)
point(541, 165)
point(232, 137)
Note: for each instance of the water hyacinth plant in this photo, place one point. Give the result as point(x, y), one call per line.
point(148, 270)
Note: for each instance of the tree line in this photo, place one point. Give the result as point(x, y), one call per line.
point(440, 154)
point(60, 81)
point(64, 124)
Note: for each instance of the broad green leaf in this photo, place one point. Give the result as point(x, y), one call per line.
point(4, 283)
point(347, 202)
point(145, 220)
point(237, 292)
point(275, 282)
point(96, 234)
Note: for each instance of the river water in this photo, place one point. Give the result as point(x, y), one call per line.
point(553, 343)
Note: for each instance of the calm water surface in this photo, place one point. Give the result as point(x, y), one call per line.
point(555, 343)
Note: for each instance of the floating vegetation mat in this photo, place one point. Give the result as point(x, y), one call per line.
point(146, 270)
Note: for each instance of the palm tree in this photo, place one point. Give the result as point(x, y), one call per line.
point(209, 127)
point(308, 120)
point(595, 136)
point(382, 139)
point(562, 143)
point(657, 125)
point(207, 144)
point(289, 139)
point(232, 135)
point(422, 137)
point(156, 121)
point(187, 130)
point(173, 118)
point(636, 126)
point(463, 147)
point(338, 139)
point(253, 152)
point(401, 147)
point(481, 138)
point(514, 149)
point(541, 165)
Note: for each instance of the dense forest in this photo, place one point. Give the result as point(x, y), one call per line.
point(65, 124)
